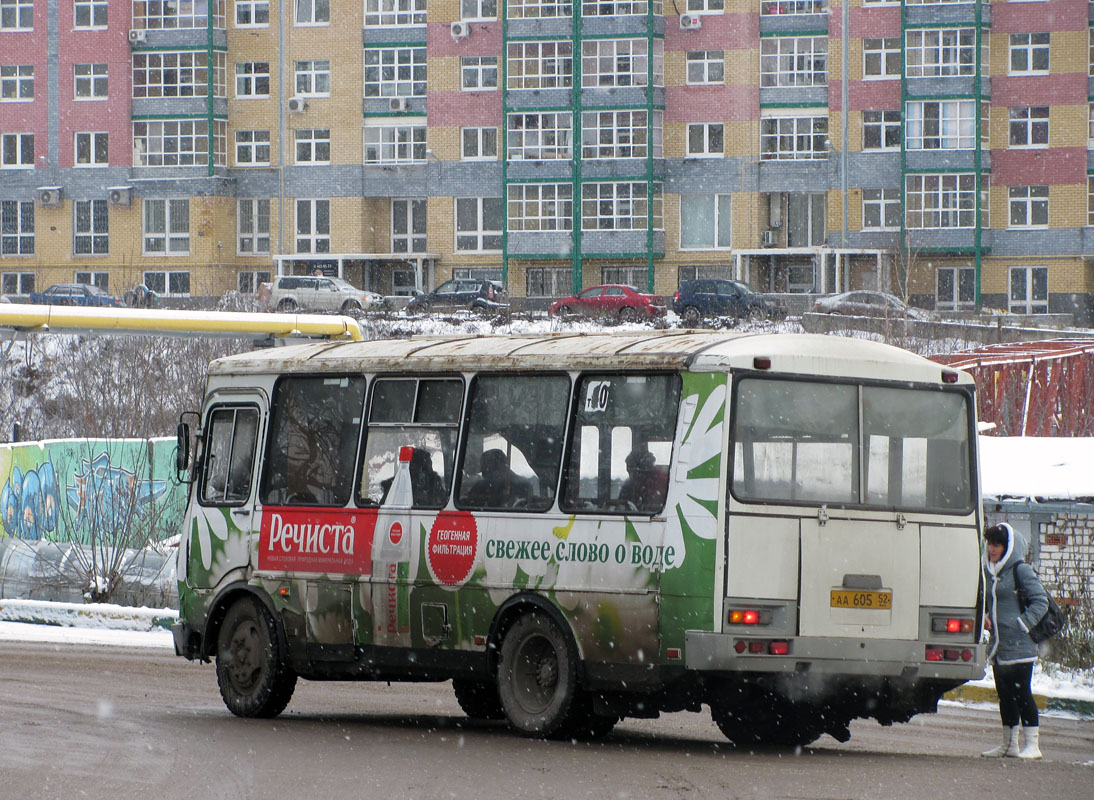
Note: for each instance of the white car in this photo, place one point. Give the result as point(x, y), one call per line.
point(290, 293)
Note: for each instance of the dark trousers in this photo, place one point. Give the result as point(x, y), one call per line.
point(1015, 696)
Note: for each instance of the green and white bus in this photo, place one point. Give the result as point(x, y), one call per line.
point(575, 529)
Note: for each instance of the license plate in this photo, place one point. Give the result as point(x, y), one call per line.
point(853, 598)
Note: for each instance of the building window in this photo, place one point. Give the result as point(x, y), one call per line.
point(91, 278)
point(1090, 200)
point(178, 143)
point(706, 140)
point(398, 72)
point(92, 149)
point(540, 207)
point(312, 12)
point(620, 134)
point(794, 61)
point(313, 78)
point(1090, 128)
point(478, 73)
point(881, 209)
point(17, 151)
point(705, 66)
point(787, 138)
point(593, 8)
point(91, 81)
point(941, 125)
point(168, 284)
point(881, 130)
point(183, 74)
point(252, 148)
point(621, 62)
point(955, 288)
point(16, 228)
point(1029, 53)
point(312, 145)
point(16, 15)
point(1028, 206)
point(395, 144)
point(1029, 126)
point(540, 65)
point(622, 206)
point(636, 277)
point(89, 13)
point(880, 59)
point(252, 226)
point(252, 79)
point(91, 227)
point(408, 225)
point(479, 223)
point(478, 9)
point(545, 9)
point(394, 13)
point(313, 226)
point(946, 200)
point(540, 137)
point(705, 6)
point(166, 228)
point(479, 144)
point(16, 83)
point(549, 281)
point(181, 14)
point(16, 283)
point(1028, 290)
point(251, 279)
point(940, 52)
point(252, 13)
point(784, 7)
point(705, 221)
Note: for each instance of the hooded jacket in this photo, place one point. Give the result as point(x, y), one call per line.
point(1010, 642)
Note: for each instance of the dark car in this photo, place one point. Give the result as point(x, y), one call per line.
point(695, 300)
point(610, 300)
point(863, 303)
point(479, 295)
point(74, 294)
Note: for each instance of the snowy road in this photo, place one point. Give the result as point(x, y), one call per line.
point(78, 720)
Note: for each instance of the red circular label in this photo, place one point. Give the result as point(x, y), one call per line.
point(395, 533)
point(452, 546)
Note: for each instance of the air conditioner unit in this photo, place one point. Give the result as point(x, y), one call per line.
point(297, 105)
point(136, 35)
point(120, 196)
point(460, 30)
point(690, 22)
point(50, 196)
point(768, 239)
point(397, 104)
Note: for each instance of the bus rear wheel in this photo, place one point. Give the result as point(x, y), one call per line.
point(776, 722)
point(253, 677)
point(478, 699)
point(537, 677)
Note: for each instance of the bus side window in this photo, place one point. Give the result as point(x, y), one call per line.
point(515, 428)
point(314, 425)
point(622, 443)
point(230, 456)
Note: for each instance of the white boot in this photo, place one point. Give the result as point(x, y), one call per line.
point(1031, 749)
point(1008, 748)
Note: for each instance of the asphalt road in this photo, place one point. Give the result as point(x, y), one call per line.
point(82, 721)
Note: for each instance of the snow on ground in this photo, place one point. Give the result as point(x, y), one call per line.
point(1056, 468)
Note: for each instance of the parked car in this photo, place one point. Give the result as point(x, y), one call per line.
point(864, 303)
point(75, 294)
point(611, 300)
point(697, 299)
point(290, 293)
point(480, 295)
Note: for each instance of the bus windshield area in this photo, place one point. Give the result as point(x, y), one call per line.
point(844, 444)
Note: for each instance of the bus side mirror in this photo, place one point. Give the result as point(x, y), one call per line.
point(182, 447)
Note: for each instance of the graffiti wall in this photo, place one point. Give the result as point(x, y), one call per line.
point(121, 491)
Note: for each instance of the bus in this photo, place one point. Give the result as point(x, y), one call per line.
point(575, 528)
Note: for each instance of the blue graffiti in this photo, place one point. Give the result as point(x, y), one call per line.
point(105, 497)
point(30, 503)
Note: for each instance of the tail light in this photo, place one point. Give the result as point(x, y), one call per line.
point(676, 297)
point(951, 625)
point(934, 652)
point(490, 291)
point(762, 647)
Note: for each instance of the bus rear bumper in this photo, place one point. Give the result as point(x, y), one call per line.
point(718, 652)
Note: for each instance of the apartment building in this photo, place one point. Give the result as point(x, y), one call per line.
point(940, 149)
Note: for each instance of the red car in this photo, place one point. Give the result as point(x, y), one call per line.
point(610, 300)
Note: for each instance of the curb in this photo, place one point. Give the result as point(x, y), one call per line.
point(78, 615)
point(986, 694)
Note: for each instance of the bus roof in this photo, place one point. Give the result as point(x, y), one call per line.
point(699, 351)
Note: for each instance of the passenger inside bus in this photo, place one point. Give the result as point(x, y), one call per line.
point(498, 486)
point(646, 484)
point(427, 485)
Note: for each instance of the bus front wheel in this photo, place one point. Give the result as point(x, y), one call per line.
point(253, 677)
point(537, 676)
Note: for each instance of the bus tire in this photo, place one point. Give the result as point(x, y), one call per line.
point(537, 676)
point(251, 671)
point(777, 723)
point(478, 699)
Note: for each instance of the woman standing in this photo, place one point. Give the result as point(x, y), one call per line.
point(1011, 651)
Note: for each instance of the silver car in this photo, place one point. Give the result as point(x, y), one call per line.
point(863, 303)
point(290, 293)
